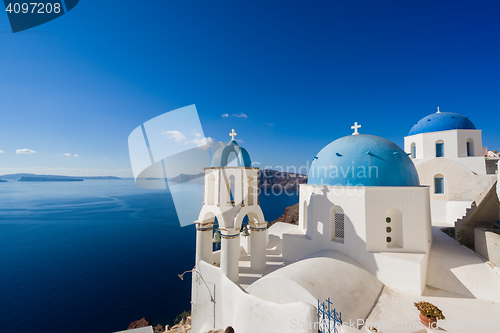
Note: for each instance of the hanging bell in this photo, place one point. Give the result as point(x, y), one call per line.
point(245, 232)
point(216, 238)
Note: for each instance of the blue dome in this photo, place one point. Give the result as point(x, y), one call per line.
point(365, 160)
point(441, 121)
point(220, 157)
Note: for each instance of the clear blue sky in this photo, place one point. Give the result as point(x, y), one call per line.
point(301, 71)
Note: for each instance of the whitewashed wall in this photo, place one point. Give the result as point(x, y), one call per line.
point(244, 312)
point(455, 148)
point(365, 236)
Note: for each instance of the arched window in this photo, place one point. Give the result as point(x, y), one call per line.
point(251, 190)
point(394, 228)
point(413, 150)
point(439, 184)
point(440, 148)
point(470, 147)
point(210, 193)
point(231, 187)
point(232, 159)
point(337, 218)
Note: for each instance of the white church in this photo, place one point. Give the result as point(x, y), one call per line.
point(369, 237)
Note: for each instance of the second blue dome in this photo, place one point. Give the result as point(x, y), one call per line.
point(363, 160)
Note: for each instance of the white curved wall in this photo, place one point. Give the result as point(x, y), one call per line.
point(244, 312)
point(326, 274)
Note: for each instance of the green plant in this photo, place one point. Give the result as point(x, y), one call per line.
point(429, 310)
point(181, 319)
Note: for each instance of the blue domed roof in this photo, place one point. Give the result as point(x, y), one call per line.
point(441, 121)
point(220, 157)
point(365, 160)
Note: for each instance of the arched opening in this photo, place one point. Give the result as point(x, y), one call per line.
point(394, 228)
point(470, 147)
point(439, 184)
point(231, 190)
point(216, 240)
point(440, 148)
point(210, 192)
point(251, 190)
point(413, 150)
point(208, 240)
point(337, 224)
point(232, 160)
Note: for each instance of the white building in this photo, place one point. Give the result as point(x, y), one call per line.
point(365, 223)
point(230, 194)
point(364, 238)
point(446, 148)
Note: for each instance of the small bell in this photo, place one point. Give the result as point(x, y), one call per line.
point(245, 232)
point(216, 238)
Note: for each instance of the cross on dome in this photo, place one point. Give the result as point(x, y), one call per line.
point(355, 128)
point(438, 110)
point(232, 134)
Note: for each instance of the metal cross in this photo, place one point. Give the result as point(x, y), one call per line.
point(355, 128)
point(233, 134)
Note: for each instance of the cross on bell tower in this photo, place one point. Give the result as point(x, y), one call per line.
point(355, 128)
point(233, 134)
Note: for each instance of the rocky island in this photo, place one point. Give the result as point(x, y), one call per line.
point(30, 177)
point(267, 179)
point(50, 179)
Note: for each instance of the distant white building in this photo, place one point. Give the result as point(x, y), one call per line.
point(447, 150)
point(492, 154)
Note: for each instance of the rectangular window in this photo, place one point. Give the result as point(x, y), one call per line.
point(439, 185)
point(440, 149)
point(468, 148)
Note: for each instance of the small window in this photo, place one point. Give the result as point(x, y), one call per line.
point(439, 149)
point(389, 239)
point(337, 219)
point(413, 150)
point(470, 147)
point(339, 226)
point(439, 185)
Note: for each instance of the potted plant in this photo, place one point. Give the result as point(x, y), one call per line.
point(429, 314)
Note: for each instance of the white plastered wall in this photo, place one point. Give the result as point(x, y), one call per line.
point(455, 148)
point(231, 306)
point(365, 211)
point(461, 188)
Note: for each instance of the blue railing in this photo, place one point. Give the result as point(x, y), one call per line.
point(329, 320)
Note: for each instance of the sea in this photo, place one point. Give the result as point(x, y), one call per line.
point(93, 256)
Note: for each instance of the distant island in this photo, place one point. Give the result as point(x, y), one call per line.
point(30, 177)
point(182, 178)
point(3, 181)
point(267, 178)
point(50, 179)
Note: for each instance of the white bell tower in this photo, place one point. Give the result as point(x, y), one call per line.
point(230, 194)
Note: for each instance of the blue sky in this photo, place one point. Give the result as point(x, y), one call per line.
point(301, 72)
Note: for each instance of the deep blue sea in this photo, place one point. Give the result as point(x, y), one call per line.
point(93, 256)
